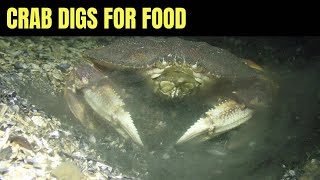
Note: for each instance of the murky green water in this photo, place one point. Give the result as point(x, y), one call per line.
point(280, 135)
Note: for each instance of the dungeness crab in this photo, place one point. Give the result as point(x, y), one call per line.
point(175, 69)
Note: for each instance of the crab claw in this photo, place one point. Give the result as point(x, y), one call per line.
point(97, 92)
point(225, 116)
point(105, 101)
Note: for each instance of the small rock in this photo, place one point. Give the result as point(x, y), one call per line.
point(20, 65)
point(22, 141)
point(5, 153)
point(37, 120)
point(46, 67)
point(292, 173)
point(11, 94)
point(57, 76)
point(92, 139)
point(24, 102)
point(25, 53)
point(67, 170)
point(20, 75)
point(15, 108)
point(54, 134)
point(16, 53)
point(35, 67)
point(63, 67)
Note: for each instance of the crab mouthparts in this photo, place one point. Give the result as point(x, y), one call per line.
point(174, 89)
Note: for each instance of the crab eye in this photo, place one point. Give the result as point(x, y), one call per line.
point(166, 86)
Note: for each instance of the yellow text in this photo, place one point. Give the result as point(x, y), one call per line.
point(29, 18)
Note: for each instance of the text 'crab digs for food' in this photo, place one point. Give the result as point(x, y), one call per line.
point(87, 18)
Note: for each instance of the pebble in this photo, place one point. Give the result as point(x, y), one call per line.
point(92, 139)
point(24, 102)
point(11, 94)
point(47, 67)
point(25, 53)
point(37, 120)
point(63, 67)
point(292, 173)
point(15, 53)
point(5, 153)
point(57, 76)
point(22, 141)
point(20, 74)
point(35, 67)
point(20, 65)
point(15, 108)
point(54, 134)
point(67, 170)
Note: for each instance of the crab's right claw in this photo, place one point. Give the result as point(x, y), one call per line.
point(97, 92)
point(105, 101)
point(226, 116)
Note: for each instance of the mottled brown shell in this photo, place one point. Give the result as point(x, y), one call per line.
point(143, 52)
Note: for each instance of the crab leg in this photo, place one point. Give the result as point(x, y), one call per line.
point(225, 116)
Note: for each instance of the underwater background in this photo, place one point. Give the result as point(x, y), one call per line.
point(281, 142)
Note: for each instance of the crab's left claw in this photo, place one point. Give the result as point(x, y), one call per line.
point(225, 116)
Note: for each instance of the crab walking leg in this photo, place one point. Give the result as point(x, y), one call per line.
point(105, 101)
point(225, 116)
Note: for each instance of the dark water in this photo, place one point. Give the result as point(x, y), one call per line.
point(282, 135)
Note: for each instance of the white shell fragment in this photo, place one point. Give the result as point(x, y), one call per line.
point(37, 120)
point(54, 134)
